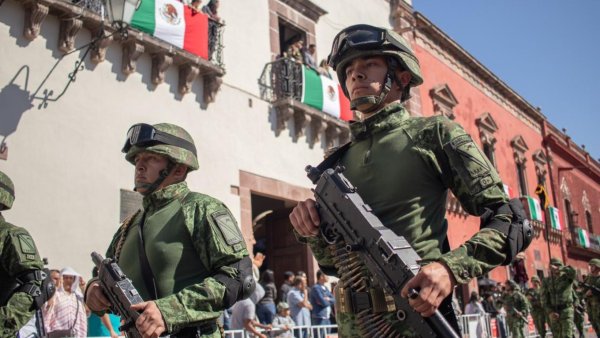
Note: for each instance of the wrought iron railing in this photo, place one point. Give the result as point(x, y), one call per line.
point(281, 79)
point(215, 30)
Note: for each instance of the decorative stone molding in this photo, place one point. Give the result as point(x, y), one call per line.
point(538, 227)
point(307, 8)
point(35, 13)
point(585, 201)
point(98, 52)
point(283, 113)
point(487, 128)
point(132, 50)
point(554, 236)
point(187, 74)
point(212, 84)
point(336, 131)
point(564, 189)
point(519, 149)
point(318, 126)
point(301, 121)
point(160, 63)
point(444, 101)
point(69, 27)
point(540, 161)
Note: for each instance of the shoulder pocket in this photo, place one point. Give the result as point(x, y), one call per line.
point(228, 228)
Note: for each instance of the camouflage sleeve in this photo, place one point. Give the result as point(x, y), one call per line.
point(19, 254)
point(467, 172)
point(218, 240)
point(319, 249)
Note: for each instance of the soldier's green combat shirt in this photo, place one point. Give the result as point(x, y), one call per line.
point(189, 237)
point(403, 167)
point(19, 254)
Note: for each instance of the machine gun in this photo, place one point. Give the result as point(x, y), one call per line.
point(120, 292)
point(595, 290)
point(390, 259)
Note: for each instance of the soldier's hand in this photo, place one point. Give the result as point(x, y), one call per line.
point(305, 218)
point(435, 282)
point(95, 298)
point(150, 323)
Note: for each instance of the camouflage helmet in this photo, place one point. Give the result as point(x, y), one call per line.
point(365, 40)
point(513, 285)
point(7, 192)
point(165, 139)
point(535, 279)
point(595, 262)
point(556, 262)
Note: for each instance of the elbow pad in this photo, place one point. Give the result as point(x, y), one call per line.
point(518, 232)
point(240, 287)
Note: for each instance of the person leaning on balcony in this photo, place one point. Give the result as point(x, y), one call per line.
point(294, 50)
point(557, 298)
point(592, 297)
point(403, 167)
point(211, 10)
point(183, 250)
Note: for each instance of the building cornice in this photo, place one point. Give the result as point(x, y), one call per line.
point(73, 18)
point(431, 32)
point(306, 8)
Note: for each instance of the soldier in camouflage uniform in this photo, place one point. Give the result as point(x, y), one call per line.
point(403, 167)
point(579, 307)
point(592, 297)
point(557, 299)
point(537, 311)
point(198, 261)
point(517, 309)
point(19, 259)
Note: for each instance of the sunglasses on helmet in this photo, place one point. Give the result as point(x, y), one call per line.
point(361, 37)
point(143, 135)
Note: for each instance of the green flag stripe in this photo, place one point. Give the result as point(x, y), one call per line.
point(144, 19)
point(312, 88)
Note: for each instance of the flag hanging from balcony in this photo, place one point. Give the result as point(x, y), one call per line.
point(175, 23)
point(533, 205)
point(584, 239)
point(508, 191)
point(554, 214)
point(325, 94)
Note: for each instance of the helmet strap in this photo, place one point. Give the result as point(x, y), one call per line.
point(163, 174)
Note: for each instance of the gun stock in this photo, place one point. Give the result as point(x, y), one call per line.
point(390, 259)
point(120, 292)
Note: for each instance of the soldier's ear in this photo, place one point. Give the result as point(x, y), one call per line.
point(180, 171)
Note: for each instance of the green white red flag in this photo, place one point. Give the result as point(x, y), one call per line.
point(555, 216)
point(325, 94)
point(175, 23)
point(534, 208)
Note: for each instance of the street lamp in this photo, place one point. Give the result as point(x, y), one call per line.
point(119, 13)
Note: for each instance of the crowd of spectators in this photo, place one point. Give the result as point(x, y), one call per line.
point(307, 56)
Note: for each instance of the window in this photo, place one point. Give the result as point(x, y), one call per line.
point(488, 150)
point(569, 214)
point(522, 179)
point(519, 149)
point(288, 34)
point(540, 161)
point(588, 220)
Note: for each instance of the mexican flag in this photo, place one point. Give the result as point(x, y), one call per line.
point(175, 23)
point(584, 239)
point(554, 214)
point(508, 191)
point(535, 211)
point(325, 94)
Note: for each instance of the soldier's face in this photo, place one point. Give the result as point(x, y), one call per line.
point(594, 270)
point(365, 76)
point(147, 169)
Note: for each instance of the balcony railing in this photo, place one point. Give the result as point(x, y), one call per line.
point(583, 243)
point(281, 84)
point(215, 30)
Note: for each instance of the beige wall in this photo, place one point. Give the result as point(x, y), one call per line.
point(65, 159)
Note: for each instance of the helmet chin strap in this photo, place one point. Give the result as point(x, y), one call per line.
point(151, 187)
